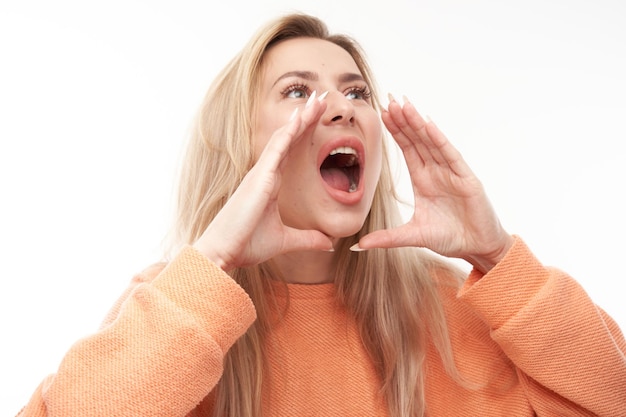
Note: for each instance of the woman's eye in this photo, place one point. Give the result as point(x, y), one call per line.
point(296, 91)
point(358, 93)
point(297, 94)
point(353, 95)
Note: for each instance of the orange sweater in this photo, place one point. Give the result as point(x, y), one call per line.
point(528, 334)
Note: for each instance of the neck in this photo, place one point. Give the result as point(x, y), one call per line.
point(310, 267)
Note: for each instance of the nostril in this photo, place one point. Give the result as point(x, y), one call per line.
point(338, 118)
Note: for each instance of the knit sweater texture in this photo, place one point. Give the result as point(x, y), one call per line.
point(527, 337)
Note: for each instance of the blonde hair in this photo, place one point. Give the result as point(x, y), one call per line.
point(395, 304)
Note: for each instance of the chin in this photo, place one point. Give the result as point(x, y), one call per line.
point(340, 228)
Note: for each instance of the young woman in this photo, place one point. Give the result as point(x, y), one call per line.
point(294, 289)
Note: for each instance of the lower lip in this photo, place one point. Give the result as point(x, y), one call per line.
point(344, 197)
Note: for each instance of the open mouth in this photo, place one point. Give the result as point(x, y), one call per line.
point(341, 169)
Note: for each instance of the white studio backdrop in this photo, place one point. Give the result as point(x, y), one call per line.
point(96, 100)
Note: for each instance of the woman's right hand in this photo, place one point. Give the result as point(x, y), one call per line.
point(249, 230)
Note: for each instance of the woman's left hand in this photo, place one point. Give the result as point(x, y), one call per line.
point(453, 215)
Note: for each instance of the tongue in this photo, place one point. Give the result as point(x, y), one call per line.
point(336, 178)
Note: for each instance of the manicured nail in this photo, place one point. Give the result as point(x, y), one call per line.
point(427, 119)
point(293, 115)
point(322, 96)
point(356, 248)
point(405, 99)
point(391, 98)
point(310, 100)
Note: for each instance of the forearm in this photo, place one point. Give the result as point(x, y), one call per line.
point(161, 355)
point(547, 325)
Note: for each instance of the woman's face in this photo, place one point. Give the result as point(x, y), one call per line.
point(329, 175)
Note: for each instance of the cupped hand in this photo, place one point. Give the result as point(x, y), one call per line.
point(248, 230)
point(453, 215)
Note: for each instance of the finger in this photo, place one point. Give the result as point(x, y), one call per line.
point(414, 128)
point(296, 240)
point(313, 109)
point(410, 152)
point(390, 238)
point(433, 142)
point(433, 138)
point(397, 124)
point(300, 122)
point(407, 137)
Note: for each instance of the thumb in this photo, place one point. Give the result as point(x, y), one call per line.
point(386, 238)
point(296, 239)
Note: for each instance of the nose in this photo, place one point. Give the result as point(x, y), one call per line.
point(339, 109)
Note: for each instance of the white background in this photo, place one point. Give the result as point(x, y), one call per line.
point(95, 102)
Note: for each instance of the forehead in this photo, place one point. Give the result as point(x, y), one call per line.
point(309, 54)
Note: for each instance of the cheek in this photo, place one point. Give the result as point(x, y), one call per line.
point(260, 136)
point(266, 123)
point(375, 148)
point(374, 158)
point(258, 144)
point(375, 164)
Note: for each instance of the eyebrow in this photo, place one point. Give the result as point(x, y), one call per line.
point(313, 76)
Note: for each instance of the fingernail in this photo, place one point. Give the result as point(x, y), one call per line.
point(427, 119)
point(405, 99)
point(310, 100)
point(330, 250)
point(356, 248)
point(322, 96)
point(391, 98)
point(293, 115)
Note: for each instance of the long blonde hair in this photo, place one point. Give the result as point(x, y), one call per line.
point(395, 304)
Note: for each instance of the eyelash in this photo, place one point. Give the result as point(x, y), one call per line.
point(363, 91)
point(296, 87)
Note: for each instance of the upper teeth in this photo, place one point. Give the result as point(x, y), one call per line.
point(343, 149)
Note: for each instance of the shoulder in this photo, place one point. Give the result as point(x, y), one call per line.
point(149, 273)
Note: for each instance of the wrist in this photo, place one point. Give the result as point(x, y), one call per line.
point(485, 262)
point(213, 256)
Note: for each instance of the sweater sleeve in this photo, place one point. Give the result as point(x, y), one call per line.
point(162, 353)
point(570, 355)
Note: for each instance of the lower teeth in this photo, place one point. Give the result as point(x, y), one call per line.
point(352, 187)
